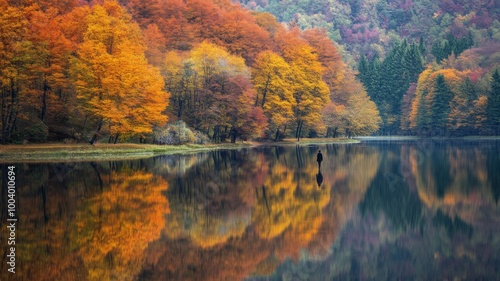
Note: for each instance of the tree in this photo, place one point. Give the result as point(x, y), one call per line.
point(493, 107)
point(13, 51)
point(387, 81)
point(310, 92)
point(270, 77)
point(221, 79)
point(155, 45)
point(328, 56)
point(441, 104)
point(112, 78)
point(358, 115)
point(239, 33)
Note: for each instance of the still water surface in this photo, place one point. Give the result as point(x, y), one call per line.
point(420, 210)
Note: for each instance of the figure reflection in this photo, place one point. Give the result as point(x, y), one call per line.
point(319, 177)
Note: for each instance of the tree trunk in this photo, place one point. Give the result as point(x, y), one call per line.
point(116, 138)
point(44, 101)
point(298, 133)
point(96, 134)
point(277, 134)
point(297, 130)
point(9, 114)
point(234, 135)
point(179, 111)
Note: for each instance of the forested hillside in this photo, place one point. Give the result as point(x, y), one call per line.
point(169, 71)
point(430, 66)
point(173, 72)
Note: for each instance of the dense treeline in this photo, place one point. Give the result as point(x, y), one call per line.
point(109, 71)
point(388, 80)
point(457, 97)
point(458, 39)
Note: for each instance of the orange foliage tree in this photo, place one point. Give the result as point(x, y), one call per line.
point(113, 80)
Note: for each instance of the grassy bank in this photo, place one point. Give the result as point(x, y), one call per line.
point(86, 152)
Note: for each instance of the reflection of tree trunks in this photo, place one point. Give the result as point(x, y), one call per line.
point(44, 201)
point(94, 166)
point(3, 196)
point(265, 200)
point(298, 154)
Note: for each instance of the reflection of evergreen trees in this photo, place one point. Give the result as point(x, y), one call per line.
point(389, 194)
point(453, 226)
point(439, 167)
point(493, 166)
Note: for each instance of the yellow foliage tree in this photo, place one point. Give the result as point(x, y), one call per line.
point(353, 112)
point(270, 77)
point(112, 78)
point(310, 92)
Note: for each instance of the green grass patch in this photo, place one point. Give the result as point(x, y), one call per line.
point(86, 152)
point(53, 152)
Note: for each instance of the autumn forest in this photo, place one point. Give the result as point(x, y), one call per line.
point(198, 71)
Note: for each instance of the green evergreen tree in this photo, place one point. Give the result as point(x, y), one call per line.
point(387, 81)
point(421, 46)
point(468, 90)
point(423, 116)
point(441, 104)
point(493, 107)
point(452, 45)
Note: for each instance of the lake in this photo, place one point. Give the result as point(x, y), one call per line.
point(377, 210)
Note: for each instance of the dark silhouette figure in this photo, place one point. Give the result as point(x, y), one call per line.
point(319, 178)
point(319, 158)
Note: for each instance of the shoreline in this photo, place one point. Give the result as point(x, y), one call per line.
point(60, 152)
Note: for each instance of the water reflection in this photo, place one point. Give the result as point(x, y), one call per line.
point(369, 212)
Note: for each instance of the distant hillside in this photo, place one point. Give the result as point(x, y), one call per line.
point(369, 27)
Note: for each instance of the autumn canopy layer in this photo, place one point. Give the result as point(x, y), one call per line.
point(172, 72)
point(110, 70)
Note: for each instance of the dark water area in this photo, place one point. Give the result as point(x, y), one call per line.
point(378, 210)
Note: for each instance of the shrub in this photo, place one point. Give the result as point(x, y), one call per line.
point(174, 134)
point(201, 138)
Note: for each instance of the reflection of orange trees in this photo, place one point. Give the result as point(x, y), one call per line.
point(290, 200)
point(289, 212)
point(180, 259)
point(114, 228)
point(350, 172)
point(210, 204)
point(460, 187)
point(46, 212)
